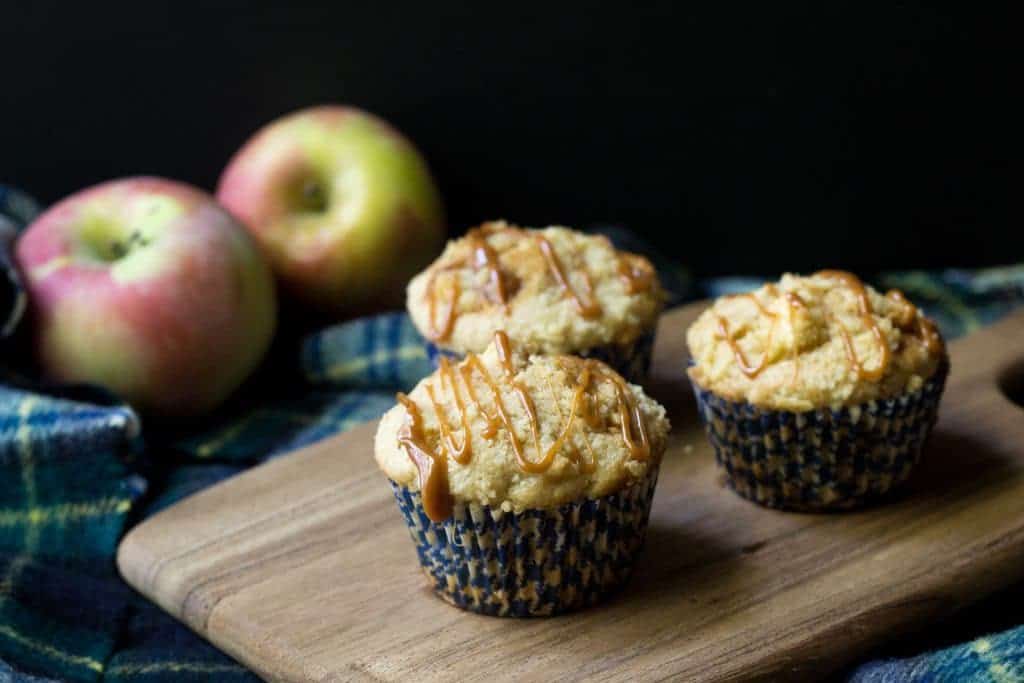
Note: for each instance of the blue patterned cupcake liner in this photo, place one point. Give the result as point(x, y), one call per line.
point(632, 360)
point(533, 563)
point(826, 459)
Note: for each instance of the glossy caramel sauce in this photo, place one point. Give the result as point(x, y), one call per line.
point(432, 464)
point(854, 284)
point(460, 454)
point(793, 300)
point(635, 272)
point(432, 470)
point(441, 331)
point(926, 331)
point(585, 302)
point(908, 319)
point(484, 257)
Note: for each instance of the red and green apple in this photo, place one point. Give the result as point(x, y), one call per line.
point(343, 205)
point(148, 287)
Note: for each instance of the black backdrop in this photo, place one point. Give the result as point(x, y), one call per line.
point(740, 138)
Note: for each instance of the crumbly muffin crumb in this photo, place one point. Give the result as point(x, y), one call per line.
point(578, 410)
point(553, 291)
point(824, 340)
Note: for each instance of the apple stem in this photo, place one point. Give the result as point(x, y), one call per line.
point(314, 196)
point(119, 250)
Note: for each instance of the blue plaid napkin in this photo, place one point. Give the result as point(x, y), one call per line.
point(77, 470)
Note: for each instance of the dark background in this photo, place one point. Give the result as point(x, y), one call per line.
point(739, 138)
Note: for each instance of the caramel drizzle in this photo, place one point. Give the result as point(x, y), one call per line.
point(483, 257)
point(431, 469)
point(581, 407)
point(925, 329)
point(635, 274)
point(793, 300)
point(585, 302)
point(448, 321)
point(854, 284)
point(432, 466)
point(461, 454)
point(927, 332)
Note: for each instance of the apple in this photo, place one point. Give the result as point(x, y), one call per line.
point(149, 288)
point(342, 204)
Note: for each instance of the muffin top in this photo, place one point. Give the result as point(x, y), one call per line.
point(825, 340)
point(516, 431)
point(552, 291)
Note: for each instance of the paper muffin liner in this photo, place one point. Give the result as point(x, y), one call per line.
point(632, 361)
point(822, 459)
point(533, 563)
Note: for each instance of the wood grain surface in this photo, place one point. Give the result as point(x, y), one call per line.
point(303, 570)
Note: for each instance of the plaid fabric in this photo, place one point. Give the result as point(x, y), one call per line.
point(76, 471)
point(998, 658)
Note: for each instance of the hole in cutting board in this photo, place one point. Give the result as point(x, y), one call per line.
point(1011, 382)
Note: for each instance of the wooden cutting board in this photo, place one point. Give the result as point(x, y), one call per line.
point(303, 570)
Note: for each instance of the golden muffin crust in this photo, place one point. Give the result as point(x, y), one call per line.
point(575, 432)
point(552, 291)
point(825, 340)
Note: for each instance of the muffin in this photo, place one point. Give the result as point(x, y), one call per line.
point(818, 392)
point(525, 480)
point(553, 291)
